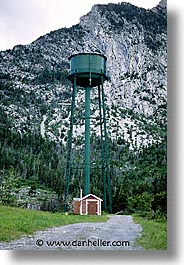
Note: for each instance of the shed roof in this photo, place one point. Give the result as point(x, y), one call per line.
point(85, 197)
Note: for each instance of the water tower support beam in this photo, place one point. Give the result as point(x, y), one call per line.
point(69, 145)
point(87, 142)
point(102, 148)
point(106, 148)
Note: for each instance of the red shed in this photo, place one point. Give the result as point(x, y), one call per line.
point(89, 204)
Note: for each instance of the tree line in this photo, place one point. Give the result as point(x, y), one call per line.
point(138, 178)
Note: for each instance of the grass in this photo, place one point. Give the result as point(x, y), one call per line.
point(154, 234)
point(17, 222)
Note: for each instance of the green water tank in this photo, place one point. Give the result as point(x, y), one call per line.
point(89, 69)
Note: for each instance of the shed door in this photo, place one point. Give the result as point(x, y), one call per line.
point(92, 207)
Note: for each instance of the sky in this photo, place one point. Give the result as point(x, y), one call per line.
point(23, 21)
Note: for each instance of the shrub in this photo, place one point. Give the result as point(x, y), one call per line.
point(141, 202)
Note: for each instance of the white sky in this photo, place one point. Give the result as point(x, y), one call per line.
point(23, 21)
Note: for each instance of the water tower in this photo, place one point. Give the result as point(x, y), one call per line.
point(88, 70)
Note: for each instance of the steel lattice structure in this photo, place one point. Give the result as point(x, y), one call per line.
point(88, 70)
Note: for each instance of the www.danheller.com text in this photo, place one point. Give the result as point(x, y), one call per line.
point(83, 243)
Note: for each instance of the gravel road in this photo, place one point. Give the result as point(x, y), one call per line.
point(118, 233)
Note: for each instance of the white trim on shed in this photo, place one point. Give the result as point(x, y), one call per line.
point(87, 201)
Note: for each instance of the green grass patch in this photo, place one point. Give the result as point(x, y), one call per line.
point(17, 222)
point(154, 234)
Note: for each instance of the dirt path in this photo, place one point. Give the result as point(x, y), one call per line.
point(118, 233)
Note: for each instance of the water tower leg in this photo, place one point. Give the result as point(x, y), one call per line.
point(102, 148)
point(87, 143)
point(106, 148)
point(69, 146)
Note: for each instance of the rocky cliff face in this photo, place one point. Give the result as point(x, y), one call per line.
point(36, 95)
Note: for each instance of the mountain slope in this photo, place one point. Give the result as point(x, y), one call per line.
point(134, 41)
point(36, 95)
